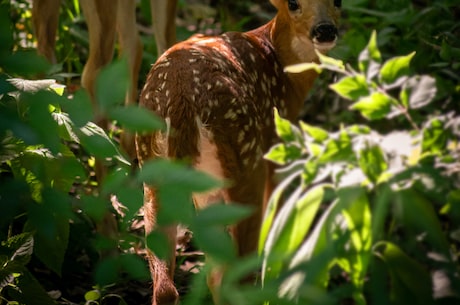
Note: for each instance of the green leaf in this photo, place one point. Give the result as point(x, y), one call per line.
point(25, 63)
point(318, 134)
point(338, 148)
point(112, 85)
point(330, 63)
point(424, 221)
point(222, 214)
point(94, 139)
point(106, 272)
point(79, 108)
point(351, 87)
point(422, 91)
point(31, 86)
point(435, 137)
point(410, 282)
point(375, 106)
point(370, 54)
point(158, 243)
point(160, 172)
point(50, 221)
point(132, 198)
point(29, 290)
point(316, 252)
point(92, 295)
point(282, 154)
point(136, 119)
point(395, 67)
point(215, 241)
point(284, 129)
point(94, 207)
point(272, 208)
point(134, 266)
point(309, 172)
point(41, 120)
point(372, 162)
point(290, 226)
point(21, 247)
point(299, 68)
point(357, 214)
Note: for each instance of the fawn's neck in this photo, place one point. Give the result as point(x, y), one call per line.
point(290, 50)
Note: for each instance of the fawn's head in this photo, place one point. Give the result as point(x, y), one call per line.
point(312, 25)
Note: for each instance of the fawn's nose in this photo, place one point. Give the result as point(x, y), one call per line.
point(324, 32)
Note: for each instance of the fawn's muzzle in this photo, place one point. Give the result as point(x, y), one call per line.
point(324, 33)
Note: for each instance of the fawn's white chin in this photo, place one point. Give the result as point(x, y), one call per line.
point(324, 46)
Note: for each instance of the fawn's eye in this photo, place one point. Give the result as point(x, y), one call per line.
point(338, 3)
point(293, 5)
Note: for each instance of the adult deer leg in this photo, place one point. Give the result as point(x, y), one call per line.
point(101, 20)
point(45, 17)
point(163, 20)
point(131, 47)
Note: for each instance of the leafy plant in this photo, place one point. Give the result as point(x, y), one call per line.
point(364, 218)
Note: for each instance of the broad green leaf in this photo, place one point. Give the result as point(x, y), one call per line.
point(310, 171)
point(435, 137)
point(25, 63)
point(282, 153)
point(395, 67)
point(299, 68)
point(42, 121)
point(370, 54)
point(66, 128)
point(31, 86)
point(94, 139)
point(29, 290)
point(272, 208)
point(372, 162)
point(223, 214)
point(316, 251)
point(291, 225)
point(50, 221)
point(112, 85)
point(318, 134)
point(162, 172)
point(215, 241)
point(358, 217)
point(176, 205)
point(410, 281)
point(375, 106)
point(94, 207)
point(132, 198)
point(136, 119)
point(422, 91)
point(106, 272)
point(158, 243)
point(284, 129)
point(351, 87)
point(424, 221)
point(338, 148)
point(21, 247)
point(114, 180)
point(79, 108)
point(92, 295)
point(134, 266)
point(358, 129)
point(330, 63)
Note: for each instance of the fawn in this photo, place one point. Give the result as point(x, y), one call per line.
point(217, 96)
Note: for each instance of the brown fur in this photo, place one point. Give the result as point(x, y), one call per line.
point(217, 96)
